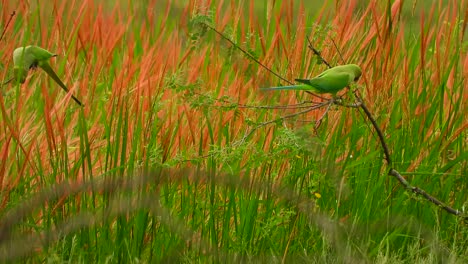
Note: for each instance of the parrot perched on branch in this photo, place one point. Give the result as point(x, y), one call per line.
point(29, 57)
point(330, 81)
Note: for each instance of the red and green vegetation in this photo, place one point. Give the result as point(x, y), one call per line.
point(177, 156)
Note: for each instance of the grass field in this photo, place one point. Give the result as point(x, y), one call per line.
point(178, 157)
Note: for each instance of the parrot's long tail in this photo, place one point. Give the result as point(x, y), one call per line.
point(289, 87)
point(46, 67)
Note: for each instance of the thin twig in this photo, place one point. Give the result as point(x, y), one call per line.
point(305, 104)
point(8, 23)
point(290, 106)
point(377, 130)
point(1, 37)
point(281, 118)
point(399, 177)
point(317, 53)
point(424, 194)
point(255, 59)
point(319, 121)
point(247, 53)
point(338, 50)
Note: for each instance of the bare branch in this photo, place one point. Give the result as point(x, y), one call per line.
point(7, 24)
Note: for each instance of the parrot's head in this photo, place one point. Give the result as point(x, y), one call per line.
point(357, 71)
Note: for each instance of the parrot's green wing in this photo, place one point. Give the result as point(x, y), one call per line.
point(332, 82)
point(40, 54)
point(46, 67)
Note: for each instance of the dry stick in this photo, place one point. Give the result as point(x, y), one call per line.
point(392, 171)
point(317, 53)
point(247, 53)
point(8, 23)
point(377, 129)
point(305, 104)
point(248, 133)
point(339, 52)
point(282, 118)
point(254, 59)
point(401, 179)
point(1, 37)
point(319, 121)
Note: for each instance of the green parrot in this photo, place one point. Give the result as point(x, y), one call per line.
point(330, 81)
point(29, 57)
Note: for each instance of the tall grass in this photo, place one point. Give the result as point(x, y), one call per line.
point(157, 168)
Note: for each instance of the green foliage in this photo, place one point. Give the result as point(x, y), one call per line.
point(197, 27)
